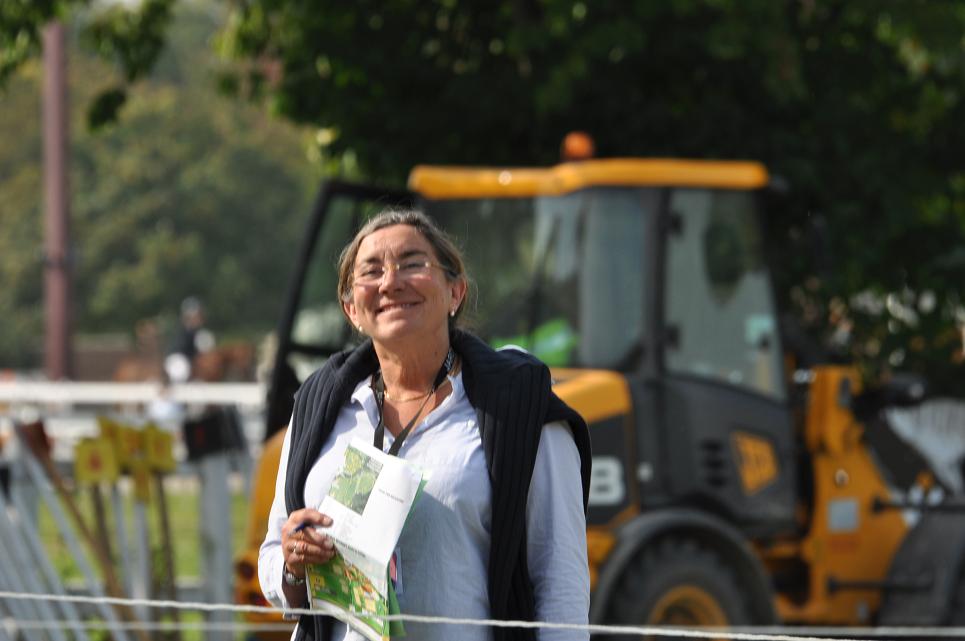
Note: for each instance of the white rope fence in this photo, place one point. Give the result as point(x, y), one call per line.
point(758, 633)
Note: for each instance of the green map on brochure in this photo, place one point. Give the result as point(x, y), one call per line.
point(342, 584)
point(353, 485)
point(369, 501)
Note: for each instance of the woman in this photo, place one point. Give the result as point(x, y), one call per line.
point(499, 531)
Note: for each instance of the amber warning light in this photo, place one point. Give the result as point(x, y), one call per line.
point(577, 145)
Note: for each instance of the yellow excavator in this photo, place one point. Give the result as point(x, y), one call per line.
point(732, 484)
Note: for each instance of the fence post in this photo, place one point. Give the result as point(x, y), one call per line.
point(211, 439)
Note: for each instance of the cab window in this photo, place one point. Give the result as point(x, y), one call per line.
point(719, 314)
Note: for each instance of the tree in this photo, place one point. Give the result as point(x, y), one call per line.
point(188, 193)
point(857, 104)
point(131, 38)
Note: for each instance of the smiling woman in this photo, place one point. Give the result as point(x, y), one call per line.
point(507, 462)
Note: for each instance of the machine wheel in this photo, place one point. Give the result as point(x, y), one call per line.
point(679, 583)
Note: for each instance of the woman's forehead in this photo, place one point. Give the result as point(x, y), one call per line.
point(394, 241)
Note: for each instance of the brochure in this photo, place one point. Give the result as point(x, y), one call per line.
point(369, 501)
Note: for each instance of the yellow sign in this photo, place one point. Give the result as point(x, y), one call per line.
point(108, 428)
point(94, 461)
point(130, 447)
point(755, 460)
point(159, 449)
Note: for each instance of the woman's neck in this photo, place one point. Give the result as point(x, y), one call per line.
point(413, 371)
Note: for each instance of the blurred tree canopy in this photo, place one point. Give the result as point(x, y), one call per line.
point(857, 104)
point(189, 193)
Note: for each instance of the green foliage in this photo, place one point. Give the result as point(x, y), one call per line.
point(857, 104)
point(131, 36)
point(133, 40)
point(21, 24)
point(188, 194)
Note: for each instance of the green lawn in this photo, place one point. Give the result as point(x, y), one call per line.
point(184, 515)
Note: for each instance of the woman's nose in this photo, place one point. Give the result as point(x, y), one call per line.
point(390, 277)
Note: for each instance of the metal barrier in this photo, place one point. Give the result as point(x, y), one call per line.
point(219, 423)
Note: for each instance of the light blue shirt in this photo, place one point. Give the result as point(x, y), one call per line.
point(443, 552)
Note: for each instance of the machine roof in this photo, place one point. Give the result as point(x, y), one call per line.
point(438, 182)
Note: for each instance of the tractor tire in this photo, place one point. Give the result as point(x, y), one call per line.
point(677, 582)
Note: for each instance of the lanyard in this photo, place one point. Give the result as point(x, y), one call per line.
point(380, 400)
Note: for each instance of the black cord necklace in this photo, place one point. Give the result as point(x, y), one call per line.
point(379, 388)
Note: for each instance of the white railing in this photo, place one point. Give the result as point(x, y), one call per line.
point(75, 393)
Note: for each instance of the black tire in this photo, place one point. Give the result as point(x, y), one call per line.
point(677, 582)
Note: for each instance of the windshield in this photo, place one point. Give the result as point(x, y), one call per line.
point(561, 276)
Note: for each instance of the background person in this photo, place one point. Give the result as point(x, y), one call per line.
point(191, 339)
point(499, 531)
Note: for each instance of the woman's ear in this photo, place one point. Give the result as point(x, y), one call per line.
point(457, 290)
point(350, 313)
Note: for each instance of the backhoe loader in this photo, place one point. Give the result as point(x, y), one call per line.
point(730, 485)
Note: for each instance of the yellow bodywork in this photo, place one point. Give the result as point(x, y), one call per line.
point(596, 394)
point(846, 540)
point(466, 182)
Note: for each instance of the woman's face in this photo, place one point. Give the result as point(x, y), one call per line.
point(401, 305)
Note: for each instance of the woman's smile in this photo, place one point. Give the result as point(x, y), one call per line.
point(389, 307)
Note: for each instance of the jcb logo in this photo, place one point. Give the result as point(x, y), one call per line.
point(607, 486)
point(755, 460)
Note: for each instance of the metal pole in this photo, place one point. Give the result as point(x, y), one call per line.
point(9, 575)
point(69, 611)
point(57, 348)
point(141, 569)
point(215, 512)
point(23, 564)
point(40, 481)
point(123, 545)
point(3, 630)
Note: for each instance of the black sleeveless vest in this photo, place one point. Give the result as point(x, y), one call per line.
point(511, 394)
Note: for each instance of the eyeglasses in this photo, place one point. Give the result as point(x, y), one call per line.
point(406, 270)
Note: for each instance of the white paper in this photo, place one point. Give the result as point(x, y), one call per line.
point(369, 500)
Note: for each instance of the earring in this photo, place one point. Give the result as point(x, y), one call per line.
point(452, 313)
point(359, 328)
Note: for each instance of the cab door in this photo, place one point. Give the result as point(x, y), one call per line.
point(312, 326)
point(722, 404)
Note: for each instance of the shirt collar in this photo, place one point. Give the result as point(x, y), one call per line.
point(365, 397)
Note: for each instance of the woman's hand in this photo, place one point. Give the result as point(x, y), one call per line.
point(306, 545)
